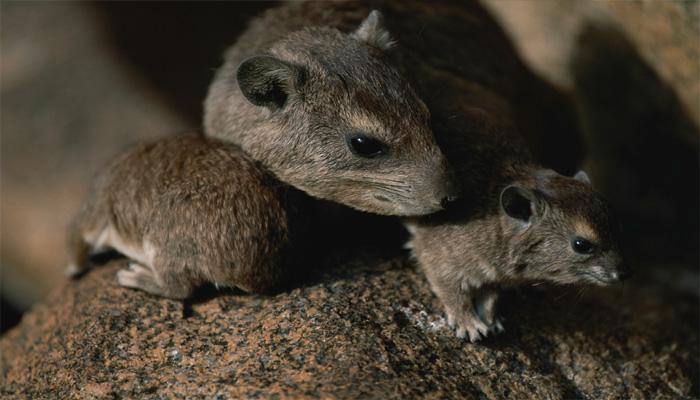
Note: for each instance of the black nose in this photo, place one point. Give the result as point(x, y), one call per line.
point(445, 202)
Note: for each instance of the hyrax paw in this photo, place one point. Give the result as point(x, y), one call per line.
point(472, 328)
point(496, 326)
point(450, 320)
point(72, 270)
point(135, 276)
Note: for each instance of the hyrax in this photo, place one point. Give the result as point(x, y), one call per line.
point(519, 222)
point(327, 113)
point(191, 210)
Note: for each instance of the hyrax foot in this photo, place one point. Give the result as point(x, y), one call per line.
point(136, 276)
point(486, 311)
point(73, 270)
point(468, 325)
point(496, 326)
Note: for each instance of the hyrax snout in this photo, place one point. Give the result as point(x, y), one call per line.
point(436, 190)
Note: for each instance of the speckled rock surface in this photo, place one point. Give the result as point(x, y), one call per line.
point(356, 332)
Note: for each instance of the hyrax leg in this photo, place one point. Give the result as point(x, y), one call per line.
point(136, 276)
point(146, 270)
point(486, 309)
point(79, 252)
point(83, 237)
point(157, 279)
point(459, 307)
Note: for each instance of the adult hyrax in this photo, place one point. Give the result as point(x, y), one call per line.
point(520, 223)
point(327, 113)
point(191, 210)
point(331, 85)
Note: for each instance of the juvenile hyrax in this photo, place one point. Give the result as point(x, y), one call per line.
point(190, 210)
point(517, 222)
point(326, 112)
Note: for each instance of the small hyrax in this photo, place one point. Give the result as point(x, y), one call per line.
point(516, 222)
point(187, 211)
point(327, 113)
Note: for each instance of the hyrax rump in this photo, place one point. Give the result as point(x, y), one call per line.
point(191, 210)
point(520, 223)
point(327, 113)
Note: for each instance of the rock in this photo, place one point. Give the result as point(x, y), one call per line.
point(666, 33)
point(369, 329)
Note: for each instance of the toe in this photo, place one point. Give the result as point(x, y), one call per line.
point(126, 278)
point(461, 333)
point(474, 336)
point(450, 320)
point(498, 327)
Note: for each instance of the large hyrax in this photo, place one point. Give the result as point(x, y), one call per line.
point(444, 49)
point(327, 112)
point(520, 223)
point(191, 210)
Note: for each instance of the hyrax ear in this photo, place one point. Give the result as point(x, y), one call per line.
point(372, 32)
point(268, 81)
point(582, 176)
point(521, 204)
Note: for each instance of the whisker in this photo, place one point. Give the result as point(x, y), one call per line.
point(375, 182)
point(394, 190)
point(379, 178)
point(396, 187)
point(389, 189)
point(561, 296)
point(579, 296)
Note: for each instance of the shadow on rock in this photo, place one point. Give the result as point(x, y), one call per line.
point(177, 48)
point(645, 148)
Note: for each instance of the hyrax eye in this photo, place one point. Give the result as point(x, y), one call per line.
point(365, 146)
point(582, 246)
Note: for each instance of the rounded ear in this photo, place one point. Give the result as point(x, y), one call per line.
point(520, 204)
point(268, 81)
point(372, 32)
point(582, 176)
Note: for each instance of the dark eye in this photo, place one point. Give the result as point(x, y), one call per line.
point(365, 146)
point(582, 246)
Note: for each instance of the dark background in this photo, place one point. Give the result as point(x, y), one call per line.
point(82, 80)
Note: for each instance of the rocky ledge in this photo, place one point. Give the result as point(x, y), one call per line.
point(357, 332)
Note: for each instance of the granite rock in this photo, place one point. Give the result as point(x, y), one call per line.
point(368, 329)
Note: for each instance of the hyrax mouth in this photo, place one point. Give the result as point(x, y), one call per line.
point(603, 279)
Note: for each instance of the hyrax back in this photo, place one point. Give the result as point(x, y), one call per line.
point(189, 210)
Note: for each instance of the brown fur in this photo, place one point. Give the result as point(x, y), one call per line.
point(471, 250)
point(190, 210)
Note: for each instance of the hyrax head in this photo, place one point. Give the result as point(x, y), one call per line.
point(561, 230)
point(340, 123)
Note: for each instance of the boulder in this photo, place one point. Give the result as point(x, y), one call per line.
point(368, 329)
